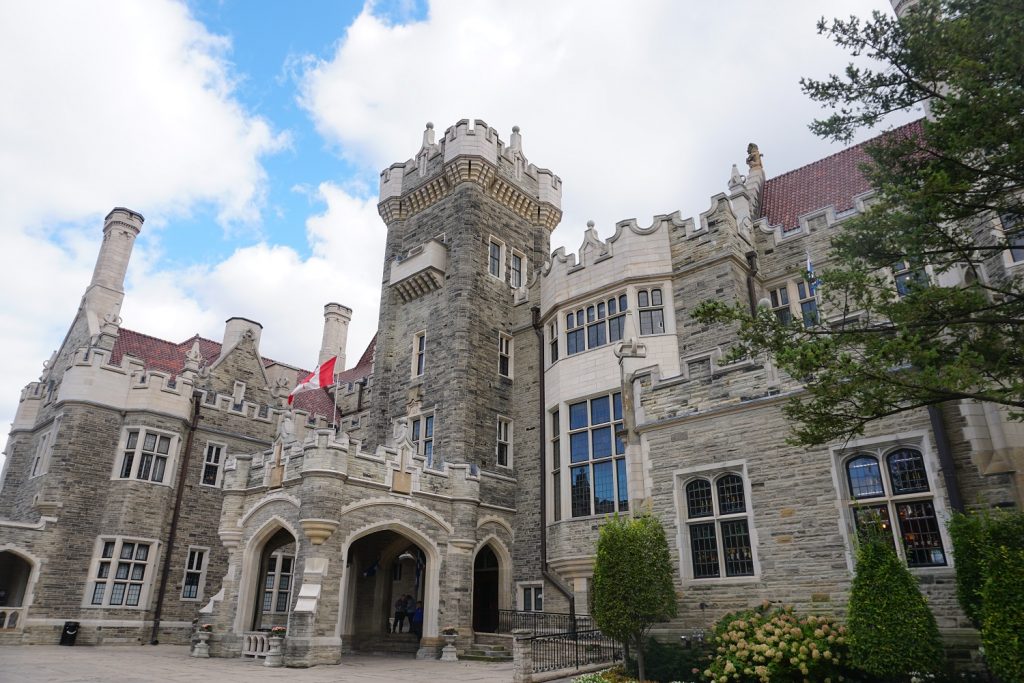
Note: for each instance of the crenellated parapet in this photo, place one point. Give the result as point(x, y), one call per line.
point(471, 155)
point(632, 252)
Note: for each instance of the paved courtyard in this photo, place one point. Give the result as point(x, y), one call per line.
point(122, 664)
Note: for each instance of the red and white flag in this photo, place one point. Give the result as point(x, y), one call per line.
point(320, 378)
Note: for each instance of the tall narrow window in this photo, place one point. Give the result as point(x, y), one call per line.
point(277, 583)
point(887, 487)
point(517, 269)
point(419, 354)
point(574, 341)
point(195, 572)
point(212, 464)
point(556, 463)
point(504, 355)
point(1013, 229)
point(553, 340)
point(533, 598)
point(495, 250)
point(503, 449)
point(145, 456)
point(423, 437)
point(120, 573)
point(598, 483)
point(652, 317)
point(718, 527)
point(780, 305)
point(908, 277)
point(808, 304)
point(41, 458)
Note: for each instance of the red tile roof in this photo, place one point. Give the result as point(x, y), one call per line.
point(832, 181)
point(169, 357)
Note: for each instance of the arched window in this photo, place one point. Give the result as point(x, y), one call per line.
point(898, 502)
point(718, 542)
point(864, 477)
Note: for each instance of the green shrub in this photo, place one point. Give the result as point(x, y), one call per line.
point(989, 551)
point(766, 644)
point(666, 662)
point(892, 633)
point(1002, 612)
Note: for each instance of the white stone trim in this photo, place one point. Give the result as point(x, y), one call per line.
point(170, 468)
point(277, 496)
point(201, 589)
point(33, 576)
point(402, 502)
point(487, 519)
point(249, 577)
point(153, 565)
point(505, 597)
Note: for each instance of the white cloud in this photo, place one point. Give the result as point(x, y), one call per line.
point(113, 103)
point(640, 108)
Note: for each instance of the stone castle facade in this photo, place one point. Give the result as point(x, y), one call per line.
point(512, 399)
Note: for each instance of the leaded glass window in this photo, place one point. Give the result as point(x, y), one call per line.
point(718, 527)
point(597, 456)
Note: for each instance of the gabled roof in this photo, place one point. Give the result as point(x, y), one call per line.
point(832, 181)
point(169, 357)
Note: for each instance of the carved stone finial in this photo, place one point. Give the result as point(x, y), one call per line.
point(286, 427)
point(590, 225)
point(515, 129)
point(753, 157)
point(194, 354)
point(428, 135)
point(735, 179)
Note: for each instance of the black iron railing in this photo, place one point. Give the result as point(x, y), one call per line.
point(543, 622)
point(556, 651)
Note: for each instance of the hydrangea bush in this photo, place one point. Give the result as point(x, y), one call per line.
point(774, 644)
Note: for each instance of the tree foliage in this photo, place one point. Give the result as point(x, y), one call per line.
point(944, 191)
point(632, 588)
point(890, 629)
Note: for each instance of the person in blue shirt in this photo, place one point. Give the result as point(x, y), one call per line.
point(417, 619)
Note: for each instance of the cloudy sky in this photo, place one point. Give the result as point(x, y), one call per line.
point(251, 134)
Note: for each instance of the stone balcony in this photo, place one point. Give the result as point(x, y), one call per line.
point(421, 272)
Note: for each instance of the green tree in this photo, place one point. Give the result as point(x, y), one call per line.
point(632, 588)
point(890, 630)
point(948, 196)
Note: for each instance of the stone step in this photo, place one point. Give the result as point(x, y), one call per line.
point(484, 658)
point(493, 639)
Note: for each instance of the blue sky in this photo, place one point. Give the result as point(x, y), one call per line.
point(251, 135)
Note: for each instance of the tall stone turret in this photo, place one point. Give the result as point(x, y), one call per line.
point(105, 293)
point(335, 339)
point(468, 219)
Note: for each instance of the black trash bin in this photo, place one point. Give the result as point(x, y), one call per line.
point(69, 633)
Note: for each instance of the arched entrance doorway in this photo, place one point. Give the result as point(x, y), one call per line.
point(15, 572)
point(386, 585)
point(273, 599)
point(485, 591)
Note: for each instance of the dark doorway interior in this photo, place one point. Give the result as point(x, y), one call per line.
point(485, 591)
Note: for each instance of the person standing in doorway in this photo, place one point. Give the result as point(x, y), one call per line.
point(396, 626)
point(417, 619)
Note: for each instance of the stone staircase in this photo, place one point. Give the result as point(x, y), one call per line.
point(391, 644)
point(489, 647)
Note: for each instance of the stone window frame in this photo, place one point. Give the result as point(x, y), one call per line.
point(593, 325)
point(1011, 230)
point(143, 431)
point(418, 428)
point(713, 472)
point(655, 310)
point(505, 355)
point(237, 404)
point(418, 359)
point(40, 464)
point(554, 415)
point(800, 300)
point(779, 298)
point(616, 459)
point(496, 264)
point(191, 569)
point(882, 446)
point(553, 341)
point(150, 565)
point(504, 431)
point(522, 271)
point(536, 591)
point(219, 477)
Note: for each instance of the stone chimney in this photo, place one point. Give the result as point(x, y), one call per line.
point(236, 328)
point(336, 320)
point(105, 293)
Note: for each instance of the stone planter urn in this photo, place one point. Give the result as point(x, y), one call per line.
point(448, 652)
point(275, 655)
point(202, 648)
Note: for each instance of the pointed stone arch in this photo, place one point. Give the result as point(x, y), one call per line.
point(504, 596)
point(22, 589)
point(249, 576)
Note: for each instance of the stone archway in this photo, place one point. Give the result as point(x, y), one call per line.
point(485, 591)
point(16, 578)
point(271, 554)
point(382, 563)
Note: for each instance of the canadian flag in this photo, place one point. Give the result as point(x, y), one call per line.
point(322, 377)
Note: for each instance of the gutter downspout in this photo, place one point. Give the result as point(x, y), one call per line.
point(543, 422)
point(175, 516)
point(945, 458)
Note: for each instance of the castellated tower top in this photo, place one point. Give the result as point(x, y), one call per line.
point(471, 154)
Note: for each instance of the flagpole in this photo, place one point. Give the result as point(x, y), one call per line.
point(334, 415)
